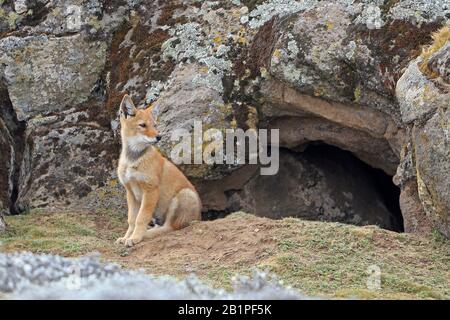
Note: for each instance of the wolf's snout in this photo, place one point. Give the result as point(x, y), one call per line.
point(158, 138)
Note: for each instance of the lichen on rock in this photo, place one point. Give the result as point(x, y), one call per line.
point(46, 74)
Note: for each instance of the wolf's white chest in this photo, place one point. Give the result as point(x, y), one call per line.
point(130, 176)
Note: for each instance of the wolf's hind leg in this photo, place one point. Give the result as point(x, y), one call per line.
point(188, 209)
point(157, 231)
point(166, 227)
point(183, 209)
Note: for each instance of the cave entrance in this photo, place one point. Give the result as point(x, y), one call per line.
point(315, 182)
point(384, 187)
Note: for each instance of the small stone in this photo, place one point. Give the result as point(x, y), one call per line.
point(243, 10)
point(20, 6)
point(244, 19)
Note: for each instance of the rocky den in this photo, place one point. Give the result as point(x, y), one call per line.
point(359, 90)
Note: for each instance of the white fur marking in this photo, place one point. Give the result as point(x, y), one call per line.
point(132, 174)
point(139, 142)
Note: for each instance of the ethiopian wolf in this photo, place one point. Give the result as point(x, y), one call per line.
point(155, 187)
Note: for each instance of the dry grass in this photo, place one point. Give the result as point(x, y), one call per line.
point(319, 258)
point(440, 38)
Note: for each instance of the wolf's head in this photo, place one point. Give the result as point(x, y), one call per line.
point(137, 126)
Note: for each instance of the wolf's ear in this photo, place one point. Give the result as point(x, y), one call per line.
point(127, 108)
point(153, 110)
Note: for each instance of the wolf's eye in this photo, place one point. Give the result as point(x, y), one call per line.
point(142, 125)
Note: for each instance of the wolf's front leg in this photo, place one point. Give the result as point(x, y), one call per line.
point(149, 200)
point(133, 210)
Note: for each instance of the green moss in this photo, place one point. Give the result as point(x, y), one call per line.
point(13, 18)
point(357, 94)
point(333, 259)
point(68, 234)
point(94, 22)
point(287, 245)
point(438, 237)
point(222, 276)
point(410, 287)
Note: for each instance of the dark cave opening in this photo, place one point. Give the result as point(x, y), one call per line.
point(382, 182)
point(371, 189)
point(16, 129)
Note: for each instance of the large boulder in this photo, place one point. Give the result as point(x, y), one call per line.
point(52, 66)
point(424, 94)
point(48, 74)
point(66, 157)
point(370, 134)
point(432, 154)
point(329, 73)
point(351, 56)
point(352, 52)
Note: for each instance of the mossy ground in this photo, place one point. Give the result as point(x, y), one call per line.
point(318, 258)
point(68, 234)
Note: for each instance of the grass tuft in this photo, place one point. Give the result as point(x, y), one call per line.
point(440, 38)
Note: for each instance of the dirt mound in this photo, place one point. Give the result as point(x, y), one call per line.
point(240, 239)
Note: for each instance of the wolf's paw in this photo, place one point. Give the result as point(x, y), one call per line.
point(120, 240)
point(132, 241)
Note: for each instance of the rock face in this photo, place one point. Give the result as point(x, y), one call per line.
point(65, 158)
point(347, 74)
point(187, 100)
point(424, 95)
point(431, 144)
point(369, 134)
point(47, 74)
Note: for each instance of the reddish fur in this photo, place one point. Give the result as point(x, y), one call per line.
point(153, 184)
